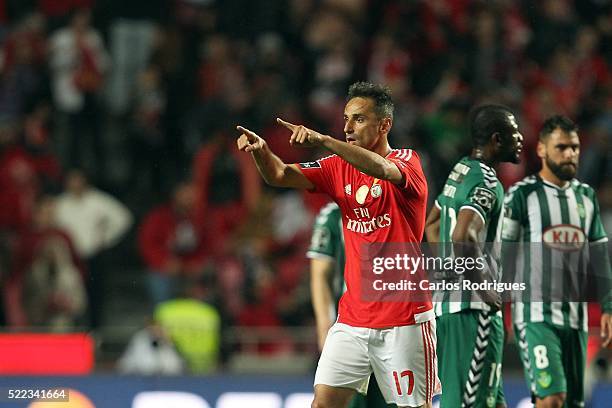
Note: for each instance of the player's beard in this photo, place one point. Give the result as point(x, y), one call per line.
point(563, 171)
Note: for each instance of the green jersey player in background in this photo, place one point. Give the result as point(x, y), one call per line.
point(467, 217)
point(326, 254)
point(561, 214)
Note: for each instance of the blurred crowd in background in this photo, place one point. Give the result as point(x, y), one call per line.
point(117, 137)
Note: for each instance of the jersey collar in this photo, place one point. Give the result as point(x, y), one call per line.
point(553, 185)
point(482, 164)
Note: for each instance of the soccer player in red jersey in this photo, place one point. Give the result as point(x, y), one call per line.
point(382, 195)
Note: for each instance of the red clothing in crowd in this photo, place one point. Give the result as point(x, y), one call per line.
point(250, 182)
point(44, 165)
point(27, 248)
point(18, 188)
point(21, 174)
point(54, 8)
point(165, 237)
point(223, 219)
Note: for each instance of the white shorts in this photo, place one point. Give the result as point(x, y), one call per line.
point(402, 358)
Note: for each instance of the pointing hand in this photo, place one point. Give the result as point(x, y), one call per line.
point(301, 135)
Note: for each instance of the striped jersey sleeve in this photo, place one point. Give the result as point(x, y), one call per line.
point(597, 232)
point(482, 195)
point(326, 239)
point(409, 163)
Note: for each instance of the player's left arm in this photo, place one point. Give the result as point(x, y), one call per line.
point(362, 159)
point(600, 265)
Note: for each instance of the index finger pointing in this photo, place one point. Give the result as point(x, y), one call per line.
point(288, 125)
point(246, 131)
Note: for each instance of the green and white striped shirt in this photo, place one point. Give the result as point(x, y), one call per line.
point(471, 185)
point(327, 241)
point(551, 227)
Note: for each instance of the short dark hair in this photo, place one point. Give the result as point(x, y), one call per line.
point(380, 94)
point(557, 122)
point(486, 120)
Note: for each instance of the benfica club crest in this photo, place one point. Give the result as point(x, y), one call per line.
point(376, 190)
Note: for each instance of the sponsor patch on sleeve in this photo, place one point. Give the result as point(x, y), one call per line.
point(310, 165)
point(484, 198)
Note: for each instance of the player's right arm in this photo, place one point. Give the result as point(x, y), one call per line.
point(364, 160)
point(432, 225)
point(468, 227)
point(321, 270)
point(272, 169)
point(432, 229)
point(514, 215)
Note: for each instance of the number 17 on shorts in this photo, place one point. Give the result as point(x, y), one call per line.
point(403, 360)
